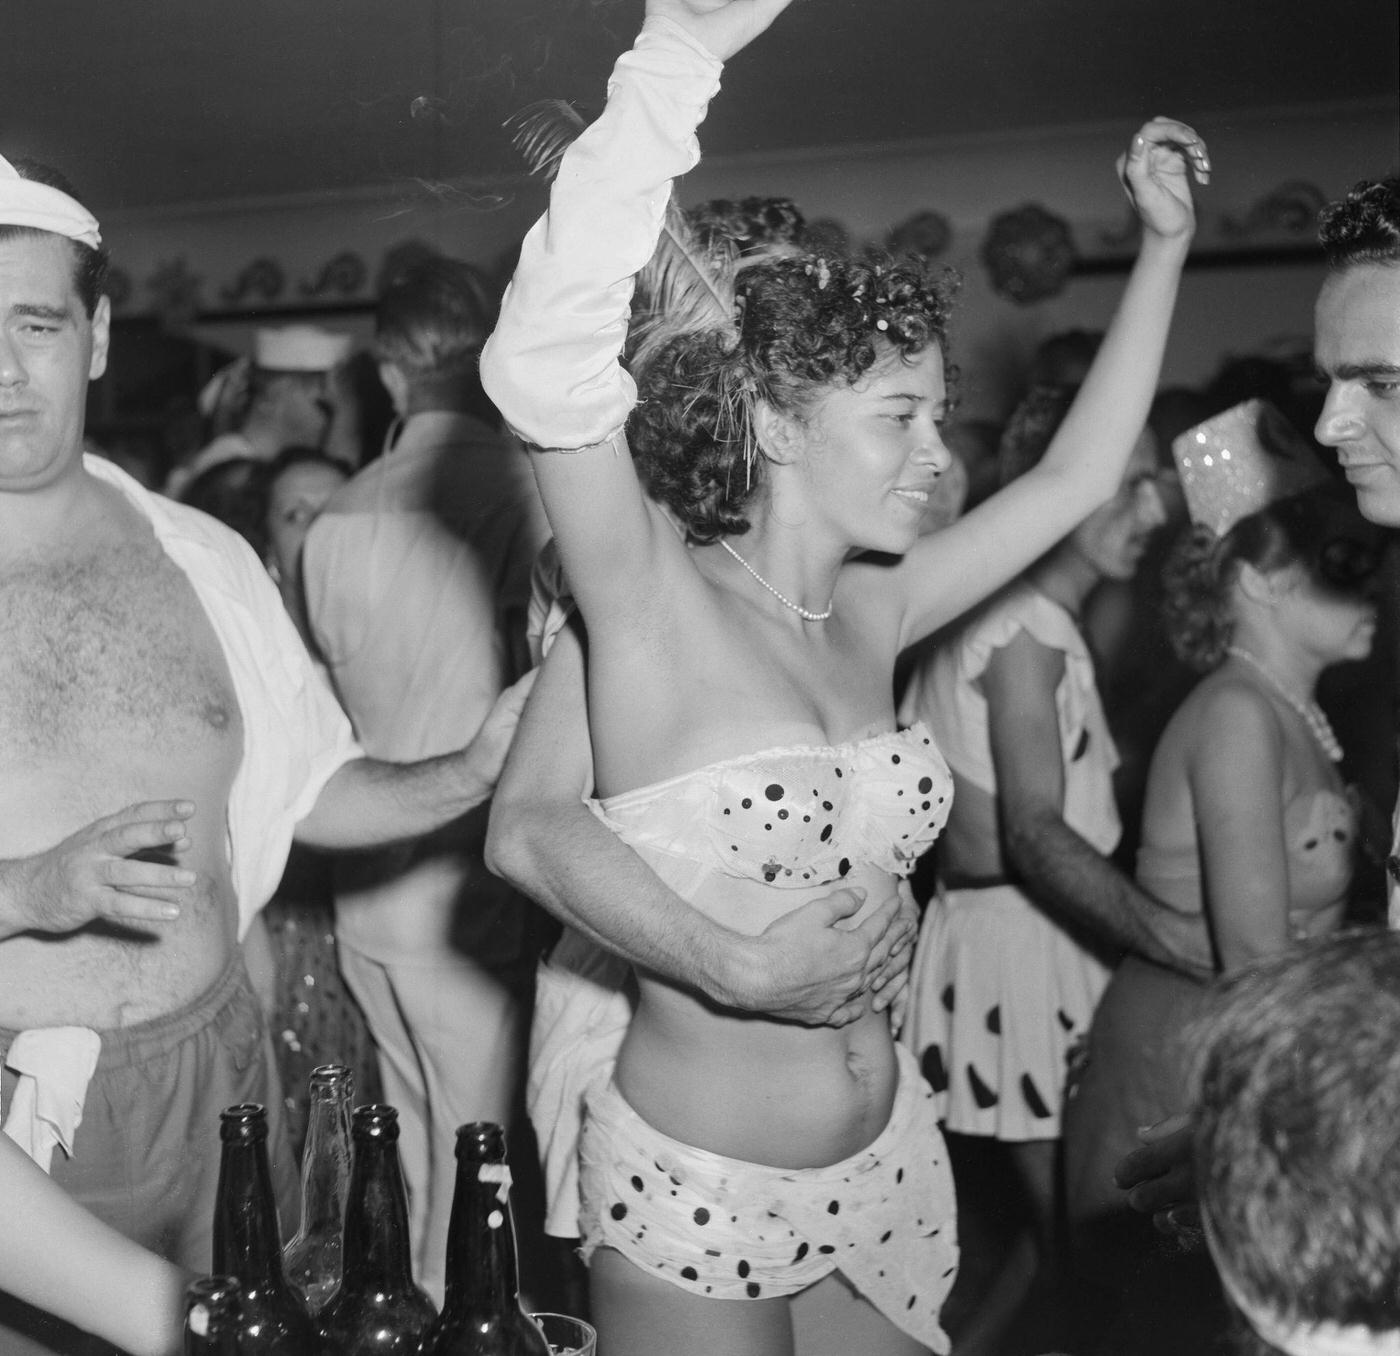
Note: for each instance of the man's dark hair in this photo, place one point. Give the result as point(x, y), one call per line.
point(89, 265)
point(433, 318)
point(1297, 1094)
point(1363, 227)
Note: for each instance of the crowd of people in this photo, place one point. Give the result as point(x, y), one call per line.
point(808, 822)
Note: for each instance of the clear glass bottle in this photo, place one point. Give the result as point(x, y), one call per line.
point(312, 1260)
point(213, 1309)
point(246, 1242)
point(481, 1315)
point(377, 1310)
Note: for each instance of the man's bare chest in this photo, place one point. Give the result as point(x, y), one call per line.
point(109, 651)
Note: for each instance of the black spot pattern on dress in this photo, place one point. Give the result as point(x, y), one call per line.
point(826, 1248)
point(946, 998)
point(1064, 1019)
point(933, 1068)
point(637, 1184)
point(984, 1096)
point(843, 866)
point(619, 1211)
point(753, 1290)
point(690, 1273)
point(826, 833)
point(885, 1237)
point(743, 1269)
point(702, 1216)
point(833, 1207)
point(994, 1019)
point(802, 1250)
point(773, 791)
point(925, 785)
point(746, 803)
point(1033, 1099)
point(1081, 748)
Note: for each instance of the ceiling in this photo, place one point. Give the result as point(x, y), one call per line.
point(149, 102)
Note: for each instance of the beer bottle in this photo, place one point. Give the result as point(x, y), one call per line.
point(312, 1260)
point(377, 1308)
point(246, 1242)
point(212, 1313)
point(482, 1314)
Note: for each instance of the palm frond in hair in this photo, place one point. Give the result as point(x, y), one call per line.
point(686, 286)
point(542, 132)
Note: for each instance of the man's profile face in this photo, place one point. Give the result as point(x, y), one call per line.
point(1357, 348)
point(49, 351)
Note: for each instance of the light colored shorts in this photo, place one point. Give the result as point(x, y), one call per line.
point(724, 1228)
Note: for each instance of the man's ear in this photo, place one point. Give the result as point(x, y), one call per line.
point(779, 435)
point(101, 337)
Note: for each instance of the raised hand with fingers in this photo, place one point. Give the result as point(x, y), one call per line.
point(100, 872)
point(1156, 172)
point(724, 27)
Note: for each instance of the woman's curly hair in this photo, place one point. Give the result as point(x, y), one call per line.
point(1317, 529)
point(804, 324)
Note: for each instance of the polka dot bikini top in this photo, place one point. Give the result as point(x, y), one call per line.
point(797, 816)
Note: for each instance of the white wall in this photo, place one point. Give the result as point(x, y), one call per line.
point(1069, 171)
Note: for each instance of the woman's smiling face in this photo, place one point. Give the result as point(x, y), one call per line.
point(870, 452)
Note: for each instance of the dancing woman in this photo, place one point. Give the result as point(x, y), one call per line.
point(1248, 838)
point(740, 700)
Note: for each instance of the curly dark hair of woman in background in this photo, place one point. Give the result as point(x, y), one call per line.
point(1317, 529)
point(805, 323)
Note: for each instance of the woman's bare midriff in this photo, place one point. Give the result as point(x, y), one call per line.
point(752, 1088)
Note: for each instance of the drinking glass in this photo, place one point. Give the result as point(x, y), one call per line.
point(567, 1336)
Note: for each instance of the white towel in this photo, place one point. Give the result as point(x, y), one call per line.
point(55, 1065)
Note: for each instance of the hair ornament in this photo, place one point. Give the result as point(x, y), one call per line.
point(688, 284)
point(1242, 461)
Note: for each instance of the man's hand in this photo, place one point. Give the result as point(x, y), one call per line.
point(492, 742)
point(1160, 1178)
point(1156, 174)
point(723, 26)
point(94, 873)
point(808, 968)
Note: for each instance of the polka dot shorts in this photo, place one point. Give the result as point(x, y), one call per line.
point(727, 1229)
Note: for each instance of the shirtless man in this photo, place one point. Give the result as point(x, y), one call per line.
point(162, 733)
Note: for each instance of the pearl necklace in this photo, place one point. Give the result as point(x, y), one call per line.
point(1311, 712)
point(785, 601)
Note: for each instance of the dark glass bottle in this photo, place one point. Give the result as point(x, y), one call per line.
point(482, 1314)
point(312, 1260)
point(213, 1310)
point(246, 1242)
point(377, 1309)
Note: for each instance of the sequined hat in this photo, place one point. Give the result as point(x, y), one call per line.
point(1241, 461)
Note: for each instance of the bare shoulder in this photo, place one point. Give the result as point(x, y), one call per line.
point(1232, 708)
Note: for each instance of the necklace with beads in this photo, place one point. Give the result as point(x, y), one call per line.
point(1312, 714)
point(802, 612)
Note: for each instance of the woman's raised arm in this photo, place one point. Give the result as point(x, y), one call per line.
point(950, 571)
point(552, 366)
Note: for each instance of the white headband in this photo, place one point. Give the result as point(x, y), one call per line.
point(23, 202)
point(1299, 1337)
